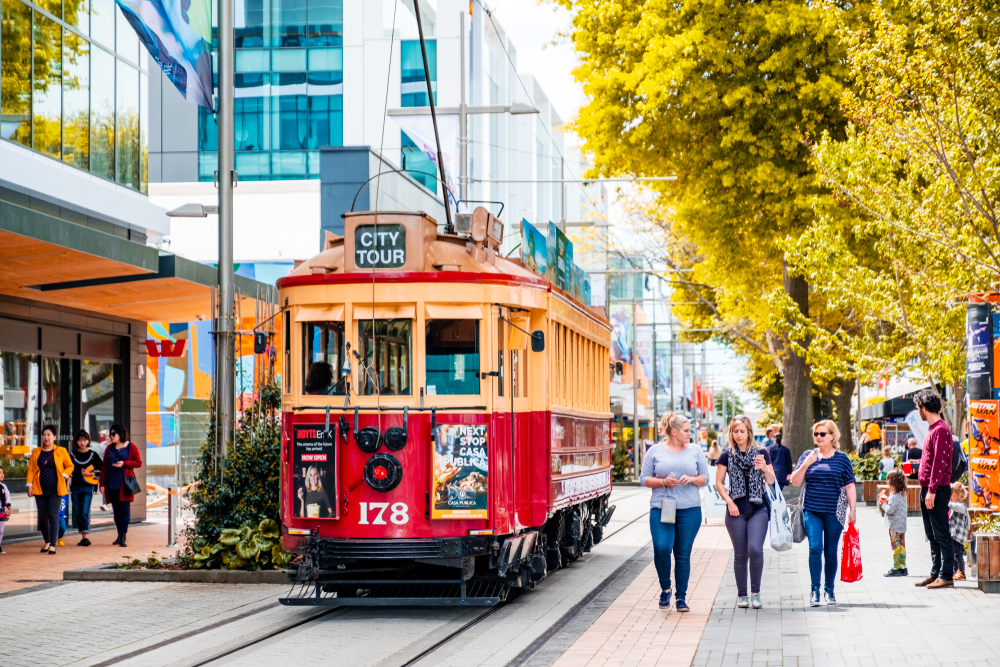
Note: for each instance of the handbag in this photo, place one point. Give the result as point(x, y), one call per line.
point(131, 485)
point(850, 557)
point(780, 523)
point(668, 510)
point(798, 522)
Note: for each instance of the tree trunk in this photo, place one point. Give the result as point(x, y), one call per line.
point(958, 409)
point(843, 404)
point(797, 400)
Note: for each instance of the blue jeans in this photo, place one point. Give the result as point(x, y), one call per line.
point(677, 538)
point(81, 497)
point(823, 530)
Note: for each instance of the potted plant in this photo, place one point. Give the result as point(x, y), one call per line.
point(867, 472)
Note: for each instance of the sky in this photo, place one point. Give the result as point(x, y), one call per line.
point(533, 26)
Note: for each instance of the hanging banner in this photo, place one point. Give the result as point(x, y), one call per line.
point(918, 427)
point(460, 485)
point(420, 129)
point(978, 327)
point(984, 454)
point(534, 248)
point(314, 472)
point(560, 258)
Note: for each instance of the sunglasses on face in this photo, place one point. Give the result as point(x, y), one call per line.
point(819, 434)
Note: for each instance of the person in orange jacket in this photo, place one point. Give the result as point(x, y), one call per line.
point(49, 468)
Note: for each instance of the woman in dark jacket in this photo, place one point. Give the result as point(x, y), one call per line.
point(121, 458)
point(86, 467)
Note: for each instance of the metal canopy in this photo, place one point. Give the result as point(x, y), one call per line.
point(47, 259)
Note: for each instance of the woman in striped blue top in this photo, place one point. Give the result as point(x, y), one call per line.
point(829, 500)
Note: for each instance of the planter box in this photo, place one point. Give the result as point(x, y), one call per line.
point(987, 562)
point(870, 492)
point(111, 573)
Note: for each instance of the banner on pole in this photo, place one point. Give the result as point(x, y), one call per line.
point(178, 34)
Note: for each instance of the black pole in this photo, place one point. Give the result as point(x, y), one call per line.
point(450, 227)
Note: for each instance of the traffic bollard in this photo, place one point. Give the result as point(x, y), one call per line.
point(171, 518)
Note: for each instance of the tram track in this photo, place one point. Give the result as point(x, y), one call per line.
point(455, 634)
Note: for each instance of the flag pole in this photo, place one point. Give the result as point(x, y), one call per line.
point(225, 391)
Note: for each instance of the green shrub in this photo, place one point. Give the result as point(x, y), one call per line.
point(621, 464)
point(240, 507)
point(866, 469)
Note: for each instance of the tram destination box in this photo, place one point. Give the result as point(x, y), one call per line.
point(388, 241)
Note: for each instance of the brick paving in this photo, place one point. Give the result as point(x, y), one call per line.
point(24, 566)
point(635, 631)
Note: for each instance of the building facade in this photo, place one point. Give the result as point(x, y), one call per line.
point(322, 73)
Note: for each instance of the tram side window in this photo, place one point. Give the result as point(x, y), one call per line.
point(452, 357)
point(324, 346)
point(386, 348)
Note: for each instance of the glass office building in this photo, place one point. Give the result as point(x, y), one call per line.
point(413, 93)
point(73, 86)
point(289, 90)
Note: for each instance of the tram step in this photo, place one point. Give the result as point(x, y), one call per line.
point(432, 593)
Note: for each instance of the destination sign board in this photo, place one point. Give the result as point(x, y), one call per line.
point(379, 246)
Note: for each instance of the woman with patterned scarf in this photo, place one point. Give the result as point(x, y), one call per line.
point(749, 468)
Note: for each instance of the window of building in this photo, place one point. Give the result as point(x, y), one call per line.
point(76, 100)
point(413, 93)
point(386, 352)
point(67, 98)
point(324, 359)
point(452, 349)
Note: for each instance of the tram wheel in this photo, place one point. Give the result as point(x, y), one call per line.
point(598, 534)
point(553, 558)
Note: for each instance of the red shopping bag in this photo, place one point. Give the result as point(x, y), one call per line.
point(850, 559)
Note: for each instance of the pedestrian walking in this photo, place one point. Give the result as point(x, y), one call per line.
point(675, 469)
point(888, 463)
point(829, 502)
point(49, 468)
point(748, 465)
point(714, 452)
point(768, 440)
point(958, 526)
point(893, 508)
point(935, 476)
point(5, 507)
point(121, 458)
point(781, 461)
point(86, 472)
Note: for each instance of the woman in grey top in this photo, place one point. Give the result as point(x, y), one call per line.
point(675, 469)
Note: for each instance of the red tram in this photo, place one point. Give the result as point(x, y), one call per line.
point(446, 434)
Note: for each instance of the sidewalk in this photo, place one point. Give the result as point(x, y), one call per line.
point(25, 567)
point(634, 631)
point(879, 621)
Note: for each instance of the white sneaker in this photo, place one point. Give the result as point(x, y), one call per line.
point(755, 601)
point(743, 602)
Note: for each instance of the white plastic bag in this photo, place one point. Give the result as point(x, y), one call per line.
point(781, 521)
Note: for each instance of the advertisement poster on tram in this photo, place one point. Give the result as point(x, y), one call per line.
point(534, 248)
point(560, 258)
point(984, 454)
point(461, 471)
point(314, 472)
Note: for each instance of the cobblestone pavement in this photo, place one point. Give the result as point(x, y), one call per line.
point(178, 624)
point(24, 567)
point(634, 631)
point(879, 621)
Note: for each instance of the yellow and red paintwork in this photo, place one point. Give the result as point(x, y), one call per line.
point(560, 452)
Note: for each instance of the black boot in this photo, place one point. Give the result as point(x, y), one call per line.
point(122, 543)
point(118, 540)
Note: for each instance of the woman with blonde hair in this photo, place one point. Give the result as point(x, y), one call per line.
point(315, 502)
point(829, 501)
point(675, 469)
point(748, 465)
point(714, 452)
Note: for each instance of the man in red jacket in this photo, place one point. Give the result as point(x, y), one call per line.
point(935, 492)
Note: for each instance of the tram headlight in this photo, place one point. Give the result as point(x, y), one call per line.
point(383, 472)
point(369, 439)
point(395, 436)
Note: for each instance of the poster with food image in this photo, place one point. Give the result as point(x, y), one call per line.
point(984, 454)
point(314, 472)
point(459, 489)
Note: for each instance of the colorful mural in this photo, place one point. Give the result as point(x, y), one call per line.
point(171, 380)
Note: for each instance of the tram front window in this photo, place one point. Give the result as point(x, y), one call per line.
point(452, 357)
point(386, 350)
point(324, 343)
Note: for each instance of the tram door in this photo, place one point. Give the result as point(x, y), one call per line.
point(500, 444)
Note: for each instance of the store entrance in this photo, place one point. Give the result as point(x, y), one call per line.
point(67, 393)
